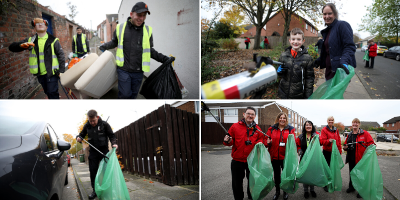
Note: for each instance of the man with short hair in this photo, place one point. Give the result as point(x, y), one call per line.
point(98, 132)
point(243, 135)
point(46, 57)
point(134, 40)
point(80, 43)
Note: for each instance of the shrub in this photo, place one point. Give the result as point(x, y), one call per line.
point(229, 44)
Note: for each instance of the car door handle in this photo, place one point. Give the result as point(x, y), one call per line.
point(53, 162)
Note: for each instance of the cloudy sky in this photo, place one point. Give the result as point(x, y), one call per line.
point(354, 11)
point(88, 10)
point(343, 110)
point(65, 115)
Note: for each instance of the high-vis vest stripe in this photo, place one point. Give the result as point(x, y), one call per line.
point(33, 61)
point(147, 31)
point(83, 37)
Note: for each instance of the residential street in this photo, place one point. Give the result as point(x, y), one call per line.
point(381, 82)
point(70, 191)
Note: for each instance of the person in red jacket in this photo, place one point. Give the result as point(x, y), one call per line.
point(243, 136)
point(356, 151)
point(279, 132)
point(328, 134)
point(266, 43)
point(302, 142)
point(372, 48)
point(247, 41)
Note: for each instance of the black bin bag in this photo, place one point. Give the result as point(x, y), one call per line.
point(162, 84)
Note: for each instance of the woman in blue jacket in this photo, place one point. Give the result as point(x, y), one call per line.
point(338, 48)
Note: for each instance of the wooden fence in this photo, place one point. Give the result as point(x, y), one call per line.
point(212, 132)
point(163, 145)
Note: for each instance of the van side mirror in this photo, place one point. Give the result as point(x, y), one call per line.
point(63, 145)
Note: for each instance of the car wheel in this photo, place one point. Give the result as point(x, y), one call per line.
point(384, 55)
point(398, 57)
point(66, 179)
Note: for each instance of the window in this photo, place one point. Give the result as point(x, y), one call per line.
point(214, 112)
point(53, 137)
point(46, 136)
point(231, 112)
point(392, 124)
point(306, 26)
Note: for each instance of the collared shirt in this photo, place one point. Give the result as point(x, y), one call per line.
point(41, 43)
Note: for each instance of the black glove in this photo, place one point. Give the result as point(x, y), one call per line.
point(170, 59)
point(345, 68)
point(282, 69)
point(102, 48)
point(57, 72)
point(300, 152)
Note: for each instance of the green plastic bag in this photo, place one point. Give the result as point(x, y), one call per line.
point(366, 57)
point(110, 182)
point(334, 87)
point(313, 168)
point(290, 165)
point(262, 44)
point(261, 172)
point(335, 167)
point(367, 177)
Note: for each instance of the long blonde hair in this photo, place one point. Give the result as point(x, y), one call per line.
point(279, 115)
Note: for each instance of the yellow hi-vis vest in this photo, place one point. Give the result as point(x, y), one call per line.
point(33, 61)
point(147, 30)
point(83, 37)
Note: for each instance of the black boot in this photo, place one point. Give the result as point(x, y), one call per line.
point(326, 188)
point(306, 195)
point(350, 190)
point(313, 194)
point(276, 196)
point(358, 196)
point(285, 196)
point(93, 195)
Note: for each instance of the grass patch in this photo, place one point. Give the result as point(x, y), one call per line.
point(390, 150)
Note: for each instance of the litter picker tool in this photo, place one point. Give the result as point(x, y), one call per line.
point(94, 147)
point(356, 143)
point(204, 107)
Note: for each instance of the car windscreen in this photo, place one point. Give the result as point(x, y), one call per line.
point(15, 125)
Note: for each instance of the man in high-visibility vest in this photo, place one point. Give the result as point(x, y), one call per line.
point(80, 43)
point(134, 40)
point(46, 57)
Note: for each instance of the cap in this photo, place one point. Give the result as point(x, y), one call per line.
point(140, 7)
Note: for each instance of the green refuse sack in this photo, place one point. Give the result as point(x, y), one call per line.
point(366, 57)
point(110, 183)
point(261, 172)
point(262, 44)
point(335, 87)
point(336, 165)
point(366, 176)
point(313, 168)
point(290, 165)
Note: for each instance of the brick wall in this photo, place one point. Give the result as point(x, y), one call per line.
point(269, 113)
point(277, 23)
point(189, 106)
point(395, 127)
point(16, 81)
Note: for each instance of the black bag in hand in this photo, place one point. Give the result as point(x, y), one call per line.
point(162, 84)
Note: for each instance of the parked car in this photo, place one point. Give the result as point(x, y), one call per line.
point(383, 138)
point(33, 160)
point(393, 52)
point(381, 49)
point(364, 48)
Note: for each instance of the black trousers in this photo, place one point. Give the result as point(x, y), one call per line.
point(49, 85)
point(372, 59)
point(327, 155)
point(247, 45)
point(277, 165)
point(239, 170)
point(352, 164)
point(94, 161)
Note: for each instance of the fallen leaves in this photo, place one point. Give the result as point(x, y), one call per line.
point(373, 88)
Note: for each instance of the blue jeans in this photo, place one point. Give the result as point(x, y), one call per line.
point(49, 85)
point(128, 84)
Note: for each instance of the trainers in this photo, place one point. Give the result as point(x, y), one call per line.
point(350, 190)
point(93, 195)
point(306, 195)
point(276, 196)
point(285, 196)
point(326, 189)
point(313, 194)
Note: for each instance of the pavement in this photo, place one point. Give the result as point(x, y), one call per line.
point(138, 187)
point(216, 177)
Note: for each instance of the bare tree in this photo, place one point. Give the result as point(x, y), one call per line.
point(73, 13)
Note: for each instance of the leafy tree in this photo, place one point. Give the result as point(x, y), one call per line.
point(234, 18)
point(339, 126)
point(383, 18)
point(204, 24)
point(73, 11)
point(222, 30)
point(356, 37)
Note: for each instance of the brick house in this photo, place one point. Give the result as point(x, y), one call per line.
point(275, 26)
point(16, 82)
point(106, 28)
point(252, 32)
point(189, 106)
point(371, 124)
point(100, 30)
point(266, 112)
point(392, 125)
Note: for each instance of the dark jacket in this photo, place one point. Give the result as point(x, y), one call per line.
point(99, 135)
point(298, 81)
point(319, 43)
point(362, 136)
point(14, 47)
point(277, 136)
point(79, 44)
point(133, 49)
point(341, 45)
point(238, 132)
point(301, 143)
